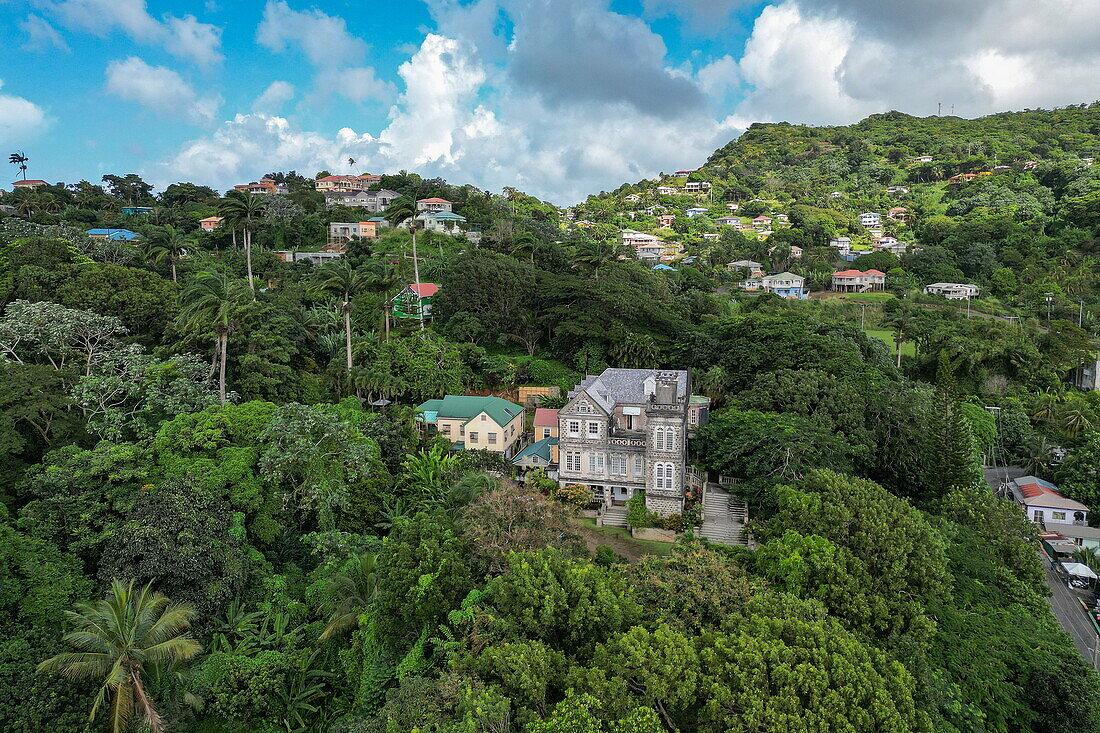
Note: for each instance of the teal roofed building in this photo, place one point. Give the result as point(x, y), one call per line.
point(475, 423)
point(137, 210)
point(541, 454)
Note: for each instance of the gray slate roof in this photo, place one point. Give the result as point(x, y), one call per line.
point(626, 386)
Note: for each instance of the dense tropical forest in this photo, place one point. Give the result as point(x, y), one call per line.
point(219, 514)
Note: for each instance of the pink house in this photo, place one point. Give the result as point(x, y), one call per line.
point(210, 223)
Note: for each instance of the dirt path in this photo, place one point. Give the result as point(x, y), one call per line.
point(593, 537)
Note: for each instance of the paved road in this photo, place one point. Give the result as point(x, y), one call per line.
point(1062, 600)
point(1068, 612)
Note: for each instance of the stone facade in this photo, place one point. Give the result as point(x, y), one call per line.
point(626, 430)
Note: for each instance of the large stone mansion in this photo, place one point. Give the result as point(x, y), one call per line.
point(626, 430)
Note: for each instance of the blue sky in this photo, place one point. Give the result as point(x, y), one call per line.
point(556, 97)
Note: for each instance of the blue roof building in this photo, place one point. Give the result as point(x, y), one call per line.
point(118, 235)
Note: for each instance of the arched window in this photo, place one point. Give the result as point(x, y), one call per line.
point(664, 476)
point(664, 438)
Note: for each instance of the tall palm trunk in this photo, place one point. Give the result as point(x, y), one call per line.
point(173, 261)
point(347, 329)
point(248, 259)
point(416, 274)
point(899, 352)
point(223, 339)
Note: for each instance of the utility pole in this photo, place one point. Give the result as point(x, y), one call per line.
point(1050, 300)
point(968, 307)
point(1080, 312)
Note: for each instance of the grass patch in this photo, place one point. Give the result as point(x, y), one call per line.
point(908, 348)
point(867, 297)
point(620, 539)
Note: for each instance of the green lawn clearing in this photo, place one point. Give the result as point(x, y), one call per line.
point(619, 539)
point(908, 348)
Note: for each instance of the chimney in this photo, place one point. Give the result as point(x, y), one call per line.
point(665, 393)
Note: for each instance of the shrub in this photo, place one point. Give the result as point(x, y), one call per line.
point(578, 495)
point(637, 515)
point(607, 557)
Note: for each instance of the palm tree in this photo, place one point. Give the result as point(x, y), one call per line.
point(524, 244)
point(121, 637)
point(341, 277)
point(402, 211)
point(244, 212)
point(1074, 417)
point(209, 301)
point(348, 594)
point(383, 278)
point(596, 254)
point(901, 322)
point(20, 159)
point(168, 243)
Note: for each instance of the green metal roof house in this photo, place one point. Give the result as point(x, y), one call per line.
point(540, 454)
point(476, 423)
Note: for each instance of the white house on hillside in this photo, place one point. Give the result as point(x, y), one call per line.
point(953, 291)
point(869, 219)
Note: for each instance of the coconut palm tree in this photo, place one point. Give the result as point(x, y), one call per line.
point(168, 243)
point(596, 254)
point(244, 211)
point(120, 638)
point(384, 277)
point(524, 245)
point(209, 302)
point(405, 211)
point(341, 278)
point(348, 594)
point(20, 159)
point(1074, 417)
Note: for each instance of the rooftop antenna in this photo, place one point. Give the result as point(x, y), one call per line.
point(939, 109)
point(952, 110)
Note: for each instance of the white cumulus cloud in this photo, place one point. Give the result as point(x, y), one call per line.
point(335, 53)
point(184, 37)
point(158, 89)
point(275, 96)
point(20, 119)
point(41, 36)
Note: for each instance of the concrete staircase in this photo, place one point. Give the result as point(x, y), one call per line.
point(724, 517)
point(614, 516)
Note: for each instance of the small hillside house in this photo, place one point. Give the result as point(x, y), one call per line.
point(953, 291)
point(345, 183)
point(785, 285)
point(665, 190)
point(665, 220)
point(540, 454)
point(342, 232)
point(869, 219)
point(29, 183)
point(433, 204)
point(414, 300)
point(442, 222)
point(1044, 505)
point(117, 235)
point(841, 242)
point(695, 211)
point(857, 281)
point(137, 210)
point(475, 423)
point(755, 268)
point(762, 222)
point(210, 223)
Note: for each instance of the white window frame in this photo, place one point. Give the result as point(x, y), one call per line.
point(573, 461)
point(664, 475)
point(573, 427)
point(639, 465)
point(1058, 515)
point(596, 463)
point(473, 437)
point(492, 438)
point(592, 429)
point(618, 464)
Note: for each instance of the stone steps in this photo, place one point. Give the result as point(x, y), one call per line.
point(614, 516)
